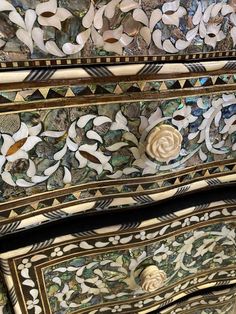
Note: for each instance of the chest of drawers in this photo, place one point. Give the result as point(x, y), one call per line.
point(117, 157)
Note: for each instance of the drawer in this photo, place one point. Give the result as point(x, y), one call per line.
point(221, 301)
point(143, 138)
point(114, 31)
point(127, 269)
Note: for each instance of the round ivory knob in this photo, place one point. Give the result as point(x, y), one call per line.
point(152, 278)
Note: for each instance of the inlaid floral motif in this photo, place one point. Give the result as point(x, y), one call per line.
point(61, 147)
point(84, 281)
point(117, 27)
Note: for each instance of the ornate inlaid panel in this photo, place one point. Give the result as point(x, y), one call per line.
point(220, 302)
point(126, 269)
point(142, 135)
point(114, 31)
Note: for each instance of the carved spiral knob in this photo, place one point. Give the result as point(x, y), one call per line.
point(152, 278)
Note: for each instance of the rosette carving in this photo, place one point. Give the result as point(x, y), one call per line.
point(152, 278)
point(164, 143)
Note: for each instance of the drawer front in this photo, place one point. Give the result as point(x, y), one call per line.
point(114, 31)
point(143, 138)
point(220, 302)
point(134, 270)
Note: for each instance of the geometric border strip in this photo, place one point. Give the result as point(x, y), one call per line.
point(115, 88)
point(133, 187)
point(85, 72)
point(16, 223)
point(115, 59)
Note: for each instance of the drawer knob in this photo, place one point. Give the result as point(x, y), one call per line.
point(152, 278)
point(164, 143)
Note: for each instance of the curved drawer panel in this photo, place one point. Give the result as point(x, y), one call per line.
point(132, 270)
point(114, 31)
point(143, 139)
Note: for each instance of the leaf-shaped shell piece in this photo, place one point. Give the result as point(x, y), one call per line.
point(216, 9)
point(54, 134)
point(31, 142)
point(37, 35)
point(96, 38)
point(23, 183)
point(198, 14)
point(111, 8)
point(82, 121)
point(100, 120)
point(82, 37)
point(39, 179)
point(155, 18)
point(50, 6)
point(49, 171)
point(22, 133)
point(6, 177)
point(207, 13)
point(111, 36)
point(130, 137)
point(192, 33)
point(202, 155)
point(156, 36)
point(98, 18)
point(30, 18)
point(89, 148)
point(63, 14)
point(146, 34)
point(32, 169)
point(140, 16)
point(233, 34)
point(116, 48)
point(128, 5)
point(170, 6)
point(182, 44)
point(72, 130)
point(125, 40)
point(71, 49)
point(71, 145)
point(115, 147)
point(89, 17)
point(25, 37)
point(169, 47)
point(67, 176)
point(53, 49)
point(53, 21)
point(172, 19)
point(7, 143)
point(116, 175)
point(233, 18)
point(226, 9)
point(155, 116)
point(17, 19)
point(61, 153)
point(202, 29)
point(120, 118)
point(6, 6)
point(92, 135)
point(2, 43)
